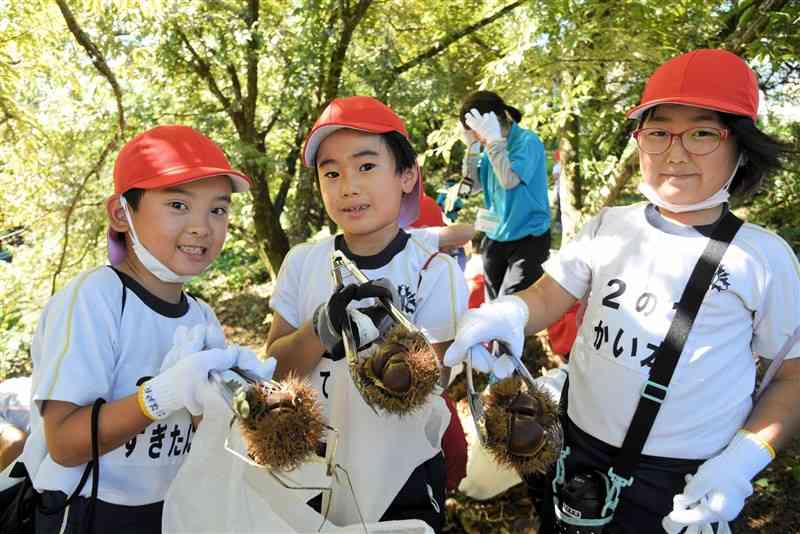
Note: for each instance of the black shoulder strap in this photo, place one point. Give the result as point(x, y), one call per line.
point(92, 467)
point(655, 389)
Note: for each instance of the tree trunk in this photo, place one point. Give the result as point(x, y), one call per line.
point(569, 184)
point(273, 245)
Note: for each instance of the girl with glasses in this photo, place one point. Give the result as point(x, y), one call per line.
point(698, 145)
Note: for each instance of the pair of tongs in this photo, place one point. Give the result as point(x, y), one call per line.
point(341, 264)
point(332, 469)
point(474, 400)
point(234, 392)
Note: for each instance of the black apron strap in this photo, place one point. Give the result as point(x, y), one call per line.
point(655, 390)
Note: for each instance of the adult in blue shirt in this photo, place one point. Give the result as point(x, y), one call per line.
point(506, 162)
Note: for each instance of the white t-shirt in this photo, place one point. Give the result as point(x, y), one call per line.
point(474, 266)
point(100, 338)
point(434, 299)
point(635, 264)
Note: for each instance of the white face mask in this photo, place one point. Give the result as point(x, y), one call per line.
point(720, 197)
point(150, 262)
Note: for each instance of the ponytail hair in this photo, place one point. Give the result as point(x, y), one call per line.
point(487, 101)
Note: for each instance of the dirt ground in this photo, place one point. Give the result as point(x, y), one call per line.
point(773, 509)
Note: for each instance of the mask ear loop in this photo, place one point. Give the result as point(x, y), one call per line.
point(741, 161)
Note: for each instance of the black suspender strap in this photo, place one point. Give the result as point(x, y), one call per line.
point(92, 467)
point(655, 390)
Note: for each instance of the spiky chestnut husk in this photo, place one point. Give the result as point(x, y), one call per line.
point(409, 364)
point(497, 403)
point(284, 426)
point(534, 355)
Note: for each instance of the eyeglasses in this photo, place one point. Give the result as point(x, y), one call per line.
point(696, 141)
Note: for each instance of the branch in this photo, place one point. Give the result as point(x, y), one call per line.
point(98, 60)
point(237, 86)
point(94, 171)
point(283, 191)
point(451, 38)
point(330, 87)
point(262, 135)
point(249, 103)
point(203, 69)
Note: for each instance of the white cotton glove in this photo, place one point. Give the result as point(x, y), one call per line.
point(503, 320)
point(181, 385)
point(716, 493)
point(486, 126)
point(185, 341)
point(215, 337)
point(247, 360)
point(469, 137)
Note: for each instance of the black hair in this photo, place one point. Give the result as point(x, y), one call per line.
point(133, 197)
point(405, 157)
point(487, 101)
point(764, 154)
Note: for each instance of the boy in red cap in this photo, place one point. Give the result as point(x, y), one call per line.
point(370, 185)
point(128, 334)
point(697, 438)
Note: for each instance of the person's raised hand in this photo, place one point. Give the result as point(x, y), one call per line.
point(486, 126)
point(503, 320)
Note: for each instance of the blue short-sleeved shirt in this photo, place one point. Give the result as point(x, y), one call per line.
point(522, 210)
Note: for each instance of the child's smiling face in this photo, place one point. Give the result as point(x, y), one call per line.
point(678, 176)
point(360, 187)
point(184, 226)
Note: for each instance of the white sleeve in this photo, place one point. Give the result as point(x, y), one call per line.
point(285, 297)
point(76, 344)
point(427, 237)
point(778, 314)
point(444, 299)
point(571, 267)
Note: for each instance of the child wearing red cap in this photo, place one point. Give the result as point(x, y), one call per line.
point(128, 334)
point(370, 185)
point(698, 144)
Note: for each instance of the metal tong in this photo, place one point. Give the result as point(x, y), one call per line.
point(332, 469)
point(339, 263)
point(233, 392)
point(474, 401)
point(341, 266)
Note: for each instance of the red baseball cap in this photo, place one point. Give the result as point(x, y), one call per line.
point(171, 155)
point(706, 78)
point(365, 114)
